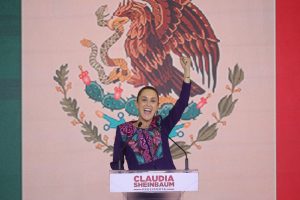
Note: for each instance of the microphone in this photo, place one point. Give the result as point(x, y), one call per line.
point(186, 158)
point(122, 152)
point(140, 124)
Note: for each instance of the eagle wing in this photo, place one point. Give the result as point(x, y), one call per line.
point(183, 29)
point(151, 63)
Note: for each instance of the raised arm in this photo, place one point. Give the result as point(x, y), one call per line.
point(175, 113)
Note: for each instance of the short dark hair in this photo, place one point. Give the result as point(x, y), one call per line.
point(145, 88)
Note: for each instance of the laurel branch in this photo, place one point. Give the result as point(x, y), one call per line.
point(69, 105)
point(226, 106)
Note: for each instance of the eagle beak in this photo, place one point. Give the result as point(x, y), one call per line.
point(117, 22)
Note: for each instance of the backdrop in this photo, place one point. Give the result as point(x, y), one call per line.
point(60, 162)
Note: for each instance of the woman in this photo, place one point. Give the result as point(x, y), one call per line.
point(145, 142)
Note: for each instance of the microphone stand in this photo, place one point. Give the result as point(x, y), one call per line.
point(186, 163)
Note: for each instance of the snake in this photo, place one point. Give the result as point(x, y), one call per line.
point(105, 46)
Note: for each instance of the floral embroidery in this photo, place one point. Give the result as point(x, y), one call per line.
point(145, 143)
point(128, 130)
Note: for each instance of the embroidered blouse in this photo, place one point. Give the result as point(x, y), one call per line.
point(148, 149)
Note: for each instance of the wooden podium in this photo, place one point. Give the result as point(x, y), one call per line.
point(153, 185)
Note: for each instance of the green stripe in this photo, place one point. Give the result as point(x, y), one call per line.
point(10, 100)
point(10, 89)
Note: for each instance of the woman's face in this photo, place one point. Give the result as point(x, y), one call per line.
point(147, 105)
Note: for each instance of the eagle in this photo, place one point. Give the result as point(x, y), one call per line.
point(161, 27)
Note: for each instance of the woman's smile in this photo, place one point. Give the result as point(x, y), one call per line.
point(147, 105)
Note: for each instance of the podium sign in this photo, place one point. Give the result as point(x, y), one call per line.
point(153, 181)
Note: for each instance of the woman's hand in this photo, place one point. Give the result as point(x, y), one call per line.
point(186, 64)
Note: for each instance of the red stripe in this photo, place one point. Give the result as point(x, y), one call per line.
point(288, 100)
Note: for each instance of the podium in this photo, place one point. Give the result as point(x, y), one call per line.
point(153, 185)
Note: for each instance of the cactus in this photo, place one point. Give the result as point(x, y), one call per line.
point(191, 112)
point(130, 107)
point(109, 102)
point(94, 91)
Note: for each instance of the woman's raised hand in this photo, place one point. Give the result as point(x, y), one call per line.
point(186, 64)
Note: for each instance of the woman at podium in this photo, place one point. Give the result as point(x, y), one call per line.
point(144, 142)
